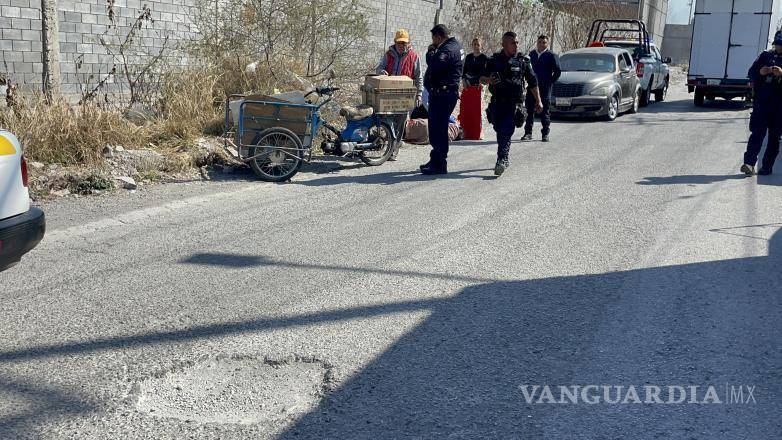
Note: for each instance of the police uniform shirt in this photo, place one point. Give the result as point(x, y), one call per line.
point(513, 72)
point(768, 85)
point(444, 67)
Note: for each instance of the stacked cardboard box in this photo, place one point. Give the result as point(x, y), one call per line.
point(389, 94)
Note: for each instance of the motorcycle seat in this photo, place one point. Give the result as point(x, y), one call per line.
point(356, 113)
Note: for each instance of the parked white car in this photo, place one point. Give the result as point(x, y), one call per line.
point(21, 227)
point(651, 68)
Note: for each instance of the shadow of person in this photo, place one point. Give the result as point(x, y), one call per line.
point(693, 179)
point(459, 373)
point(391, 178)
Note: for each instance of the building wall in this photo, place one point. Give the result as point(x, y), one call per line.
point(678, 40)
point(81, 22)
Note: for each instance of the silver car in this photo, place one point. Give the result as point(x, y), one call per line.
point(598, 81)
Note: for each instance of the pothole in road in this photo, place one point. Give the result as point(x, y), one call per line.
point(240, 390)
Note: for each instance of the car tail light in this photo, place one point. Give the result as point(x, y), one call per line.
point(24, 172)
point(639, 69)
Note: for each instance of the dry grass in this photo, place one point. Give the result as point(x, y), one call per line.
point(190, 104)
point(61, 133)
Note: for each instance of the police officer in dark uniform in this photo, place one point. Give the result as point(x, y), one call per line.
point(766, 77)
point(508, 70)
point(443, 74)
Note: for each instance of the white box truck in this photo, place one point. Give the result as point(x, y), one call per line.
point(727, 36)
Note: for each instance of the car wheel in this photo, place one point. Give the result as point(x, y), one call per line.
point(613, 108)
point(659, 95)
point(646, 95)
point(699, 98)
point(636, 102)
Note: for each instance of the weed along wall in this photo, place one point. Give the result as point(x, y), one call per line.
point(90, 32)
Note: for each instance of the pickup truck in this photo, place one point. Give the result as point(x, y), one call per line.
point(631, 35)
point(21, 227)
point(651, 68)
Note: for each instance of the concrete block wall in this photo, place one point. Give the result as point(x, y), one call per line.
point(20, 40)
point(81, 23)
point(417, 16)
point(678, 40)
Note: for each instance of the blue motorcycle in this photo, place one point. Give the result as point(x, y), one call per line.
point(275, 137)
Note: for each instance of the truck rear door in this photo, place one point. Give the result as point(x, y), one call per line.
point(728, 35)
point(710, 38)
point(749, 35)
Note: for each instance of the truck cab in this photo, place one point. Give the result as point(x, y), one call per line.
point(22, 227)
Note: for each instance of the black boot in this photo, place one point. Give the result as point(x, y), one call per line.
point(432, 170)
point(502, 165)
point(763, 171)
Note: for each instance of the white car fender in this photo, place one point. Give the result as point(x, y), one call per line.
point(14, 196)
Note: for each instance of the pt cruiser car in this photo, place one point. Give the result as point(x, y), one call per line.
point(596, 81)
point(21, 226)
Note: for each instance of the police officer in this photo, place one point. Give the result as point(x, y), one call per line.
point(441, 80)
point(766, 77)
point(508, 70)
point(547, 70)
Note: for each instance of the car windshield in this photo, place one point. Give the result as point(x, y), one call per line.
point(588, 63)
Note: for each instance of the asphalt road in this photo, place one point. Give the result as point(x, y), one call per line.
point(378, 303)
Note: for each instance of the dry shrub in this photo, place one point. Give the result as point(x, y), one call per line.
point(187, 104)
point(60, 133)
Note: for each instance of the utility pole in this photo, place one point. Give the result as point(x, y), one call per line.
point(50, 49)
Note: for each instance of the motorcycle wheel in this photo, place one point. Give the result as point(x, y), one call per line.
point(384, 146)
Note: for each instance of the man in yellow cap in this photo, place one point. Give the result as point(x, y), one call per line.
point(401, 59)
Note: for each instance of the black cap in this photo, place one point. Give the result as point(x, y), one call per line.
point(778, 38)
point(441, 29)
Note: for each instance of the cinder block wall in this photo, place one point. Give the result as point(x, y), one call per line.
point(678, 40)
point(20, 40)
point(81, 22)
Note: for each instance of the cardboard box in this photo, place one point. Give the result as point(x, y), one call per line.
point(390, 100)
point(388, 82)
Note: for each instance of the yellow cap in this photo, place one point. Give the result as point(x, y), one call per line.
point(401, 36)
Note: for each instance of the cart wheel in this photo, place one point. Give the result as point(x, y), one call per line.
point(384, 146)
point(278, 154)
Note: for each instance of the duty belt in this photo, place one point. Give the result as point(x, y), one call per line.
point(444, 89)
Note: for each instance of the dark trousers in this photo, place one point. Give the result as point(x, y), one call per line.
point(441, 107)
point(504, 125)
point(766, 119)
point(545, 115)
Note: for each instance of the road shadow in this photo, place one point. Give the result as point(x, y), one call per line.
point(693, 179)
point(457, 373)
point(395, 177)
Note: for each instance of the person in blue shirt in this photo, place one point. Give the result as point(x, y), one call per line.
point(547, 70)
point(766, 77)
point(441, 80)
